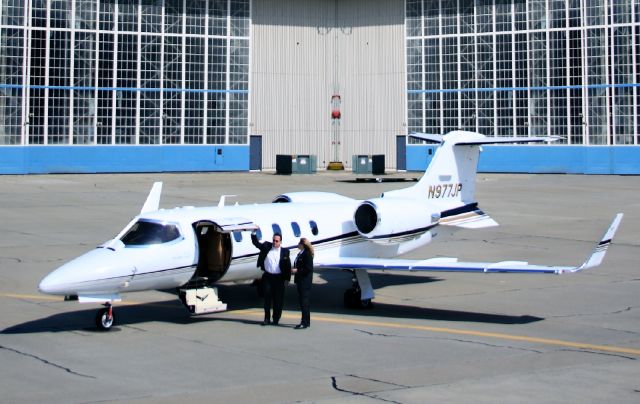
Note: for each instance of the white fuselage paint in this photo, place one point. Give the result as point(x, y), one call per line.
point(112, 268)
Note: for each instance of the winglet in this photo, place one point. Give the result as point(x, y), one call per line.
point(153, 200)
point(601, 249)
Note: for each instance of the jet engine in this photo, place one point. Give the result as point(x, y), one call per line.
point(393, 220)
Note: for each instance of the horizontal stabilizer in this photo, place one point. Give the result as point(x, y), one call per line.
point(467, 217)
point(508, 140)
point(465, 138)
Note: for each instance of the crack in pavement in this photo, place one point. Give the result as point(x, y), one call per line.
point(373, 334)
point(599, 353)
point(46, 362)
point(334, 384)
point(451, 339)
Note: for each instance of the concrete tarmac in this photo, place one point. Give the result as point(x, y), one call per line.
point(431, 337)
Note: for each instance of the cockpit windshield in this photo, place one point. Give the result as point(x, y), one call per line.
point(148, 233)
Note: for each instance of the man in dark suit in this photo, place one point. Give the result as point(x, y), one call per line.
point(275, 263)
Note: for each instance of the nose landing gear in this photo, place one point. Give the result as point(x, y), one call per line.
point(104, 317)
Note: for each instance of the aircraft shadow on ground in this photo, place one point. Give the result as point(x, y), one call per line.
point(326, 298)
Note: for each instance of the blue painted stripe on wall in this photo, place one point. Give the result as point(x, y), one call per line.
point(544, 159)
point(543, 88)
point(121, 159)
point(124, 89)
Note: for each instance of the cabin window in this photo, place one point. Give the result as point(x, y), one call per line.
point(276, 228)
point(259, 234)
point(147, 233)
point(237, 235)
point(296, 229)
point(314, 227)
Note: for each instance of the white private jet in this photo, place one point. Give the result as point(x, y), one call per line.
point(191, 248)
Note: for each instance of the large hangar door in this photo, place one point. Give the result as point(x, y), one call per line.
point(304, 52)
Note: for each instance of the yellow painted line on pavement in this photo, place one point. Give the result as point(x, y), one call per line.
point(454, 331)
point(443, 330)
point(32, 297)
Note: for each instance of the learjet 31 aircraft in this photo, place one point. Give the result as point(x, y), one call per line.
point(192, 248)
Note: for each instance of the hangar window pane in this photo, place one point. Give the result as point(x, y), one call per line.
point(622, 11)
point(13, 12)
point(503, 15)
point(60, 16)
point(128, 15)
point(449, 19)
point(217, 17)
point(557, 13)
point(106, 15)
point(431, 18)
point(484, 16)
point(194, 99)
point(239, 11)
point(39, 13)
point(520, 15)
point(126, 82)
point(60, 79)
point(11, 71)
point(595, 11)
point(467, 24)
point(151, 16)
point(537, 14)
point(150, 107)
point(195, 10)
point(173, 16)
point(415, 114)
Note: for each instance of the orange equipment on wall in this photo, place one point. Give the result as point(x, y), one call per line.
point(335, 107)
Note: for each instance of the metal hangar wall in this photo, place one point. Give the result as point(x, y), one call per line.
point(184, 85)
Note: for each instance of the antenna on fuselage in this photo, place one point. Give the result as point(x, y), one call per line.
point(223, 198)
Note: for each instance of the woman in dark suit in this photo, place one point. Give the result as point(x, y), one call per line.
point(303, 270)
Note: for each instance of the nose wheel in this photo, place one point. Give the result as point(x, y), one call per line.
point(104, 317)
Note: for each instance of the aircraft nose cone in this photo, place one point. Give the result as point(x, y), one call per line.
point(98, 271)
point(51, 284)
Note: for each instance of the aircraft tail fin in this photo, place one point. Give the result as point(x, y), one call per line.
point(153, 200)
point(451, 176)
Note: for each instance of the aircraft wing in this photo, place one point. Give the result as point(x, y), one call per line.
point(442, 264)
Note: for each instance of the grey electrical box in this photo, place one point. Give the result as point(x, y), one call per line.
point(296, 164)
point(368, 164)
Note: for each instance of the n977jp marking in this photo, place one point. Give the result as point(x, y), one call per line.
point(444, 191)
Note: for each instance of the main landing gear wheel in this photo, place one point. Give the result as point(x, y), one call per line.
point(104, 318)
point(352, 299)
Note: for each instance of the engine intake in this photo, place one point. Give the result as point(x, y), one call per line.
point(393, 220)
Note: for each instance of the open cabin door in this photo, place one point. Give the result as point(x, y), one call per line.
point(214, 245)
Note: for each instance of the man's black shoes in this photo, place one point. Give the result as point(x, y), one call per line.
point(301, 326)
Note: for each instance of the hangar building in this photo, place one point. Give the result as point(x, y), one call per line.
point(219, 85)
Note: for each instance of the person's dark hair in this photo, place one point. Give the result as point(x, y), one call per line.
point(277, 234)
